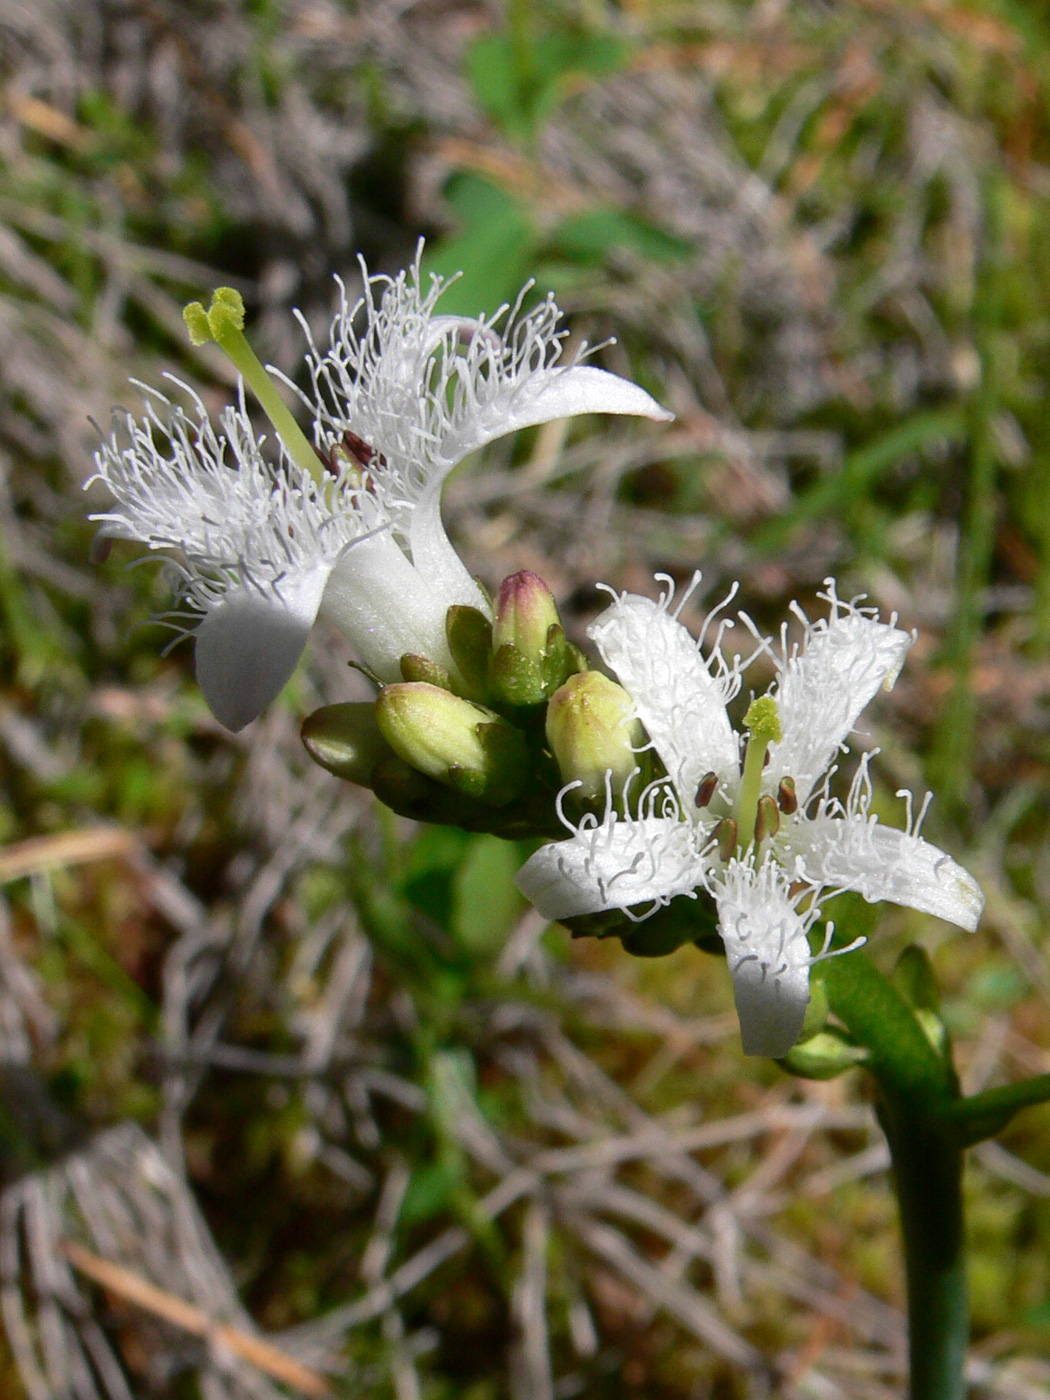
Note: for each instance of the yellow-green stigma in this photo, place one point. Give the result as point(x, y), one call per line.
point(762, 722)
point(223, 322)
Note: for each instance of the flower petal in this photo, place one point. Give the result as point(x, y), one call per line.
point(387, 607)
point(879, 862)
point(616, 864)
point(680, 702)
point(823, 688)
point(768, 954)
point(545, 395)
point(250, 642)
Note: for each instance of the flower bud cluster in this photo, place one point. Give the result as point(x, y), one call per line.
point(489, 744)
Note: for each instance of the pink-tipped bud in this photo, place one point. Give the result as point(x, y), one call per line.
point(525, 613)
point(594, 735)
point(531, 656)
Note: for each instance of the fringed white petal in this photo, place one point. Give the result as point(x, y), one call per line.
point(768, 954)
point(250, 642)
point(617, 864)
point(545, 395)
point(878, 862)
point(679, 700)
point(824, 687)
point(424, 390)
point(212, 497)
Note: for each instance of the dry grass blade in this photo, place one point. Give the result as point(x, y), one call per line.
point(135, 1289)
point(40, 853)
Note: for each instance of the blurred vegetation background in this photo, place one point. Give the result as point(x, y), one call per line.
point(320, 1073)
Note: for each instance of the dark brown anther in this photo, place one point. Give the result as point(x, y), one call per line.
point(352, 451)
point(361, 451)
point(706, 789)
point(767, 819)
point(787, 797)
point(725, 837)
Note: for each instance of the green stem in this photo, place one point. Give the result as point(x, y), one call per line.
point(915, 1085)
point(927, 1173)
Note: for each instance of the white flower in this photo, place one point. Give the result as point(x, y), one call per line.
point(764, 836)
point(265, 540)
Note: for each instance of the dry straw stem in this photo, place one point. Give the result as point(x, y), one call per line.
point(40, 853)
point(137, 1290)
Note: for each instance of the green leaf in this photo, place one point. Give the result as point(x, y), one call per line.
point(590, 237)
point(494, 250)
point(520, 81)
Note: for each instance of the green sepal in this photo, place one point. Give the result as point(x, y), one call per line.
point(469, 634)
point(682, 921)
point(560, 660)
point(346, 740)
point(412, 794)
point(516, 679)
point(817, 1011)
point(420, 668)
point(914, 978)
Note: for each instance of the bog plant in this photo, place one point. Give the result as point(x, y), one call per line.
point(660, 822)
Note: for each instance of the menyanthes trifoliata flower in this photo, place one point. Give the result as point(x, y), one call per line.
point(760, 833)
point(267, 536)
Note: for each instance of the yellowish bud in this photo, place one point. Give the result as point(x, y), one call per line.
point(460, 743)
point(594, 735)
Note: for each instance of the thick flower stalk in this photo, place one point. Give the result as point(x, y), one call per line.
point(748, 819)
point(267, 536)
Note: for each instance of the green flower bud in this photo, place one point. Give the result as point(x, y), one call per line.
point(525, 613)
point(593, 735)
point(531, 656)
point(456, 741)
point(823, 1056)
point(346, 740)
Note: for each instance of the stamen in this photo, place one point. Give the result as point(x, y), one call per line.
point(706, 789)
point(787, 797)
point(767, 821)
point(223, 322)
point(725, 837)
